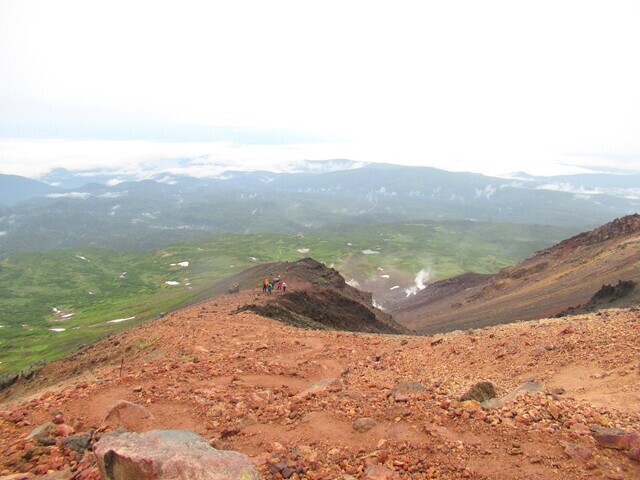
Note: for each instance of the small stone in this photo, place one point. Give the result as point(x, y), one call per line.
point(363, 425)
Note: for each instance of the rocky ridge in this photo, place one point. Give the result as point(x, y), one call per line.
point(326, 302)
point(557, 280)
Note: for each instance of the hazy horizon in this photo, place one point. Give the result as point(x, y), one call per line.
point(493, 87)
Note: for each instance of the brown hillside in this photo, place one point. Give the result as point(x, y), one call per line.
point(307, 404)
point(320, 299)
point(552, 282)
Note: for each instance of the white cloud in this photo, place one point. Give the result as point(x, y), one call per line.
point(78, 195)
point(493, 87)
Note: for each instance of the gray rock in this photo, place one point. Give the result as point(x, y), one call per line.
point(31, 370)
point(7, 379)
point(78, 443)
point(480, 392)
point(528, 387)
point(168, 454)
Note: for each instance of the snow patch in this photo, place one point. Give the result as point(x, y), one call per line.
point(394, 287)
point(179, 264)
point(2, 233)
point(57, 329)
point(61, 315)
point(118, 320)
point(253, 259)
point(172, 282)
point(384, 276)
point(303, 250)
point(368, 251)
point(82, 258)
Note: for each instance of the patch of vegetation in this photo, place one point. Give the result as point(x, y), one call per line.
point(90, 287)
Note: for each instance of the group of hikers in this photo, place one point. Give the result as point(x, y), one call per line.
point(268, 285)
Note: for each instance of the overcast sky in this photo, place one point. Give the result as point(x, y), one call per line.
point(486, 86)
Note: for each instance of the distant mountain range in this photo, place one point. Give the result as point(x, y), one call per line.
point(165, 209)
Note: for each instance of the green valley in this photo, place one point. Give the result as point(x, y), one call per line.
point(54, 301)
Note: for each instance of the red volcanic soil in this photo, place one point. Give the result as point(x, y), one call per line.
point(318, 404)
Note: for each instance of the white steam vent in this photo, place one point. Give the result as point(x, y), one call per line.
point(421, 279)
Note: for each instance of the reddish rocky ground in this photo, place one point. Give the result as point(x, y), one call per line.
point(338, 405)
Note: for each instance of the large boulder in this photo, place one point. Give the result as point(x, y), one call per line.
point(168, 454)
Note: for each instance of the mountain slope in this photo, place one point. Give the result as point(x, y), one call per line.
point(319, 298)
point(14, 188)
point(564, 276)
point(314, 404)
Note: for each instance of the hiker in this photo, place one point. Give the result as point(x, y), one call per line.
point(264, 286)
point(279, 285)
point(284, 287)
point(269, 288)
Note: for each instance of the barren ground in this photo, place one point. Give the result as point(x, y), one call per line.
point(332, 405)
